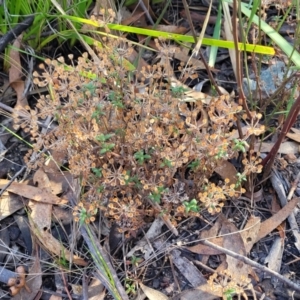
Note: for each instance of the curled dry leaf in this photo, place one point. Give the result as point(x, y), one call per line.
point(143, 245)
point(40, 223)
point(130, 17)
point(189, 94)
point(56, 247)
point(256, 196)
point(196, 63)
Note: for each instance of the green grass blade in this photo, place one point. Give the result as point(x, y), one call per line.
point(3, 24)
point(178, 37)
point(256, 5)
point(216, 35)
point(190, 39)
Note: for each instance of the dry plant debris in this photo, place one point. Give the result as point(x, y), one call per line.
point(132, 143)
point(141, 148)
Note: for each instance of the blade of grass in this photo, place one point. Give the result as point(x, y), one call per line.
point(255, 6)
point(216, 35)
point(108, 275)
point(201, 36)
point(178, 37)
point(187, 38)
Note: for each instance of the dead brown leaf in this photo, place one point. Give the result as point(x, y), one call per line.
point(15, 73)
point(234, 242)
point(41, 212)
point(56, 247)
point(57, 158)
point(210, 234)
point(269, 225)
point(227, 170)
point(40, 223)
point(60, 182)
point(274, 258)
point(294, 136)
point(199, 17)
point(275, 207)
point(9, 203)
point(31, 192)
point(250, 232)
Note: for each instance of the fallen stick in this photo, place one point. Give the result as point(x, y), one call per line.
point(254, 264)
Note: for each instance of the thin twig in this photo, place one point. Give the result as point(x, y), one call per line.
point(239, 71)
point(174, 274)
point(254, 264)
point(146, 11)
point(66, 285)
point(85, 295)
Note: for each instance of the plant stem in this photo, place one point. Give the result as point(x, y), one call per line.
point(292, 116)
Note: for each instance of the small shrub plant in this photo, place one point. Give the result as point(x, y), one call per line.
point(132, 139)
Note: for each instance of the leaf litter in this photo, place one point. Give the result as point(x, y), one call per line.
point(227, 231)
